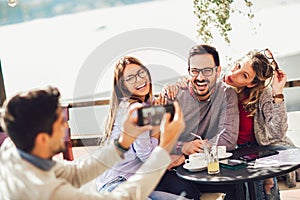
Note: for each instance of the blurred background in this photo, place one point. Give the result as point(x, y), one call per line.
point(48, 43)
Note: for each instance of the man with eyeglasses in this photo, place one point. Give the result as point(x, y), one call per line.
point(210, 111)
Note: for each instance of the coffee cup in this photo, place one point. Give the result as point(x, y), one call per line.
point(222, 151)
point(196, 160)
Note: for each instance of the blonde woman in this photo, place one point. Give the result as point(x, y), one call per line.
point(263, 116)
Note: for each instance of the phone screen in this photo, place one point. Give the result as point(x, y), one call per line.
point(231, 162)
point(257, 155)
point(153, 114)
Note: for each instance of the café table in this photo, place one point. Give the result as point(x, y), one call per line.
point(237, 177)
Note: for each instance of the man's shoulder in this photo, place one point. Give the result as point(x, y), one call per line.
point(184, 96)
point(8, 145)
point(224, 94)
point(224, 88)
point(182, 91)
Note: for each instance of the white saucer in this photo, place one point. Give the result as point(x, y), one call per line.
point(194, 168)
point(228, 154)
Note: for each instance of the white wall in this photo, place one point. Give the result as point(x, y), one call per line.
point(294, 128)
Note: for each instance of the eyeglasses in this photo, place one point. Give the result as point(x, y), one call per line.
point(208, 71)
point(268, 54)
point(133, 78)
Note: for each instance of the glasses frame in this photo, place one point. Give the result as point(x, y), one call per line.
point(134, 76)
point(268, 54)
point(201, 70)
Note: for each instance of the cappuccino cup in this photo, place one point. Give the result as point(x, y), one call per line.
point(196, 160)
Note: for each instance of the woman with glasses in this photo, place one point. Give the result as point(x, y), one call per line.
point(132, 88)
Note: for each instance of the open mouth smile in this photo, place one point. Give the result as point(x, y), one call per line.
point(201, 84)
point(141, 86)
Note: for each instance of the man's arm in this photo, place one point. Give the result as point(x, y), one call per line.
point(81, 171)
point(229, 120)
point(85, 169)
point(137, 187)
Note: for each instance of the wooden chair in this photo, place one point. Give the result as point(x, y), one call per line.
point(77, 145)
point(68, 153)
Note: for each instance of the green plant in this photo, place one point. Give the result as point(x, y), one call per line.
point(215, 14)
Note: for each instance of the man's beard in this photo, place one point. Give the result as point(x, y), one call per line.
point(200, 95)
point(61, 149)
point(194, 86)
point(211, 88)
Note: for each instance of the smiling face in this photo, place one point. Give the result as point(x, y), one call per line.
point(241, 75)
point(203, 85)
point(136, 80)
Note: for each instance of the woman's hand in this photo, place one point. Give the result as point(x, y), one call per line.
point(278, 82)
point(131, 130)
point(183, 82)
point(160, 100)
point(172, 90)
point(155, 132)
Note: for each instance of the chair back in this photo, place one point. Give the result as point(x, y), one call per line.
point(68, 153)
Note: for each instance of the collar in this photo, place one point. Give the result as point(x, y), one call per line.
point(43, 164)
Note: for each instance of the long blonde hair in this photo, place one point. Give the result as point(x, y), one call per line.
point(263, 77)
point(121, 93)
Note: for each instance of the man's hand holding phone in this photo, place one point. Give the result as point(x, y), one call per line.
point(171, 128)
point(152, 115)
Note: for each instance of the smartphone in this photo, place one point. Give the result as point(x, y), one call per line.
point(261, 154)
point(153, 114)
point(232, 164)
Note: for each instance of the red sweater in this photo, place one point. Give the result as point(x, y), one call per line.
point(246, 133)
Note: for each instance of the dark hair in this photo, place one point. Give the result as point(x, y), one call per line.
point(204, 49)
point(29, 113)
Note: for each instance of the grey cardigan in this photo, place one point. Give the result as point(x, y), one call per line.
point(270, 121)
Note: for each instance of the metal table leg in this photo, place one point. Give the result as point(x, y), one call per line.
point(252, 193)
